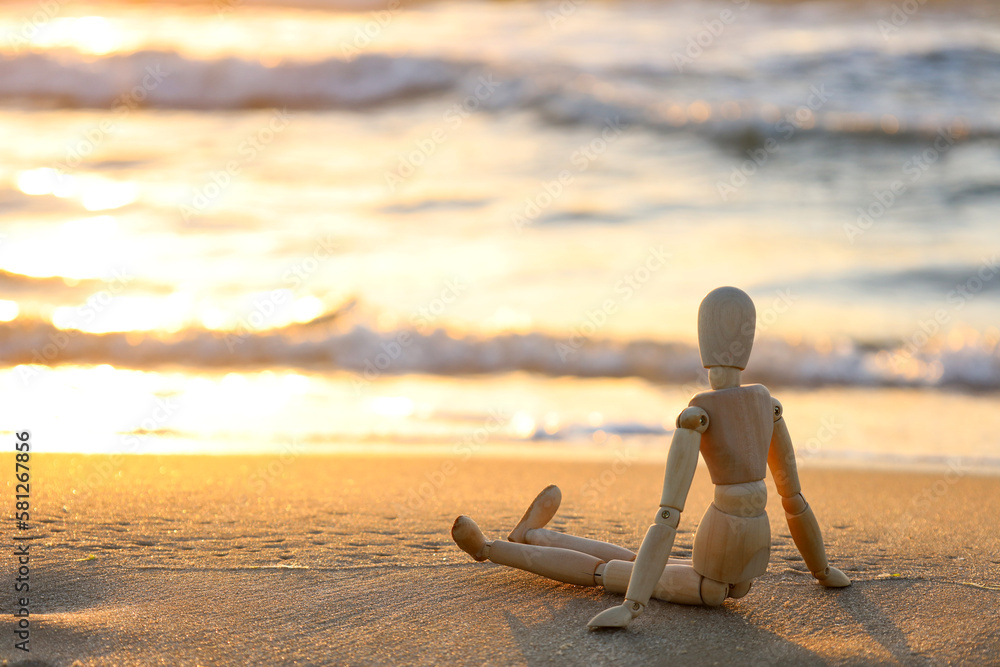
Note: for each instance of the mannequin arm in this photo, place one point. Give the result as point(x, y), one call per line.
point(659, 540)
point(802, 522)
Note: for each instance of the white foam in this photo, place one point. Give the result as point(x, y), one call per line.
point(646, 97)
point(372, 354)
point(169, 80)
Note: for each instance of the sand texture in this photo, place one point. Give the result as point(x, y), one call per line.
point(338, 560)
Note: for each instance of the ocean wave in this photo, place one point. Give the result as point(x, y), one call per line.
point(717, 104)
point(152, 79)
point(920, 362)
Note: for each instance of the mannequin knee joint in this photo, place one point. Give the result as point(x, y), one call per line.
point(713, 593)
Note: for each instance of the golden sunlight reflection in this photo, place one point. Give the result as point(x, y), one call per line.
point(306, 309)
point(889, 124)
point(71, 405)
point(152, 411)
point(508, 320)
point(240, 395)
point(78, 249)
point(96, 193)
point(522, 424)
point(109, 195)
point(94, 35)
point(200, 34)
point(674, 114)
point(551, 422)
point(127, 313)
point(295, 383)
point(212, 317)
point(392, 406)
point(36, 182)
point(699, 111)
point(174, 312)
point(281, 311)
point(156, 411)
point(8, 310)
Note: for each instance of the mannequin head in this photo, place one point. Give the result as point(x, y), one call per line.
point(727, 321)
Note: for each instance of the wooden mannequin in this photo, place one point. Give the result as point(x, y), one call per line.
point(739, 431)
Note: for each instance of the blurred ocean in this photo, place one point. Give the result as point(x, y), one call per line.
point(240, 226)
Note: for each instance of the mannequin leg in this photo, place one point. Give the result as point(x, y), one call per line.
point(679, 582)
point(568, 566)
point(531, 530)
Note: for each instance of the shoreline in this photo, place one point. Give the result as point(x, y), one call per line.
point(573, 452)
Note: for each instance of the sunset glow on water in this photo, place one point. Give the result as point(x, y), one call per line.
point(228, 226)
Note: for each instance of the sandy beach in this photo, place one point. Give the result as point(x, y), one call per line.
point(286, 286)
point(347, 560)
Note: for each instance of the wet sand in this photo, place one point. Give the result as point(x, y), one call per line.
point(347, 560)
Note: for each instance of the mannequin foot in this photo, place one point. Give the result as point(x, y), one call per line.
point(737, 591)
point(616, 617)
point(539, 513)
point(469, 538)
point(834, 578)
